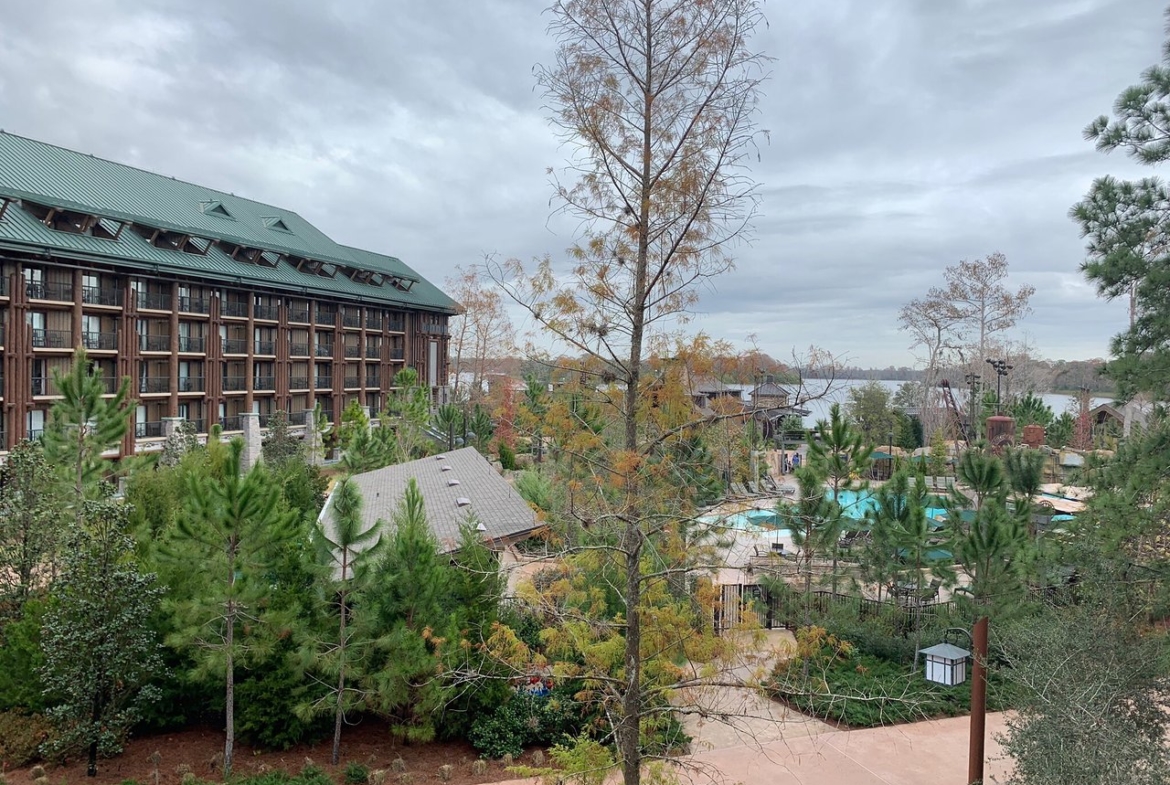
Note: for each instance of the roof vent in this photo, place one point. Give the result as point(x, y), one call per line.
point(440, 457)
point(445, 469)
point(462, 501)
point(451, 482)
point(214, 207)
point(276, 223)
point(479, 527)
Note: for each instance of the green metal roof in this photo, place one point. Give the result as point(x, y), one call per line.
point(65, 179)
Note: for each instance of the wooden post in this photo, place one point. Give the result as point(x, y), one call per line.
point(978, 703)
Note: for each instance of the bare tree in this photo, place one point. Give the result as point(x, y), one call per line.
point(932, 325)
point(658, 100)
point(480, 334)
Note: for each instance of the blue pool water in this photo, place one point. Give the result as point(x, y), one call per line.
point(857, 505)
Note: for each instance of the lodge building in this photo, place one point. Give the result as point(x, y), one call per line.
point(215, 306)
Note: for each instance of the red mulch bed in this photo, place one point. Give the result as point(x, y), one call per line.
point(196, 749)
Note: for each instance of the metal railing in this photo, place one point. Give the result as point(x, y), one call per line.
point(324, 350)
point(326, 317)
point(267, 312)
point(299, 314)
point(397, 353)
point(265, 347)
point(231, 423)
point(349, 319)
point(100, 341)
point(233, 308)
point(192, 343)
point(299, 418)
point(110, 384)
point(43, 385)
point(298, 383)
point(153, 385)
point(35, 433)
point(194, 304)
point(353, 351)
point(434, 329)
point(323, 382)
point(96, 295)
point(148, 430)
point(51, 339)
point(265, 419)
point(263, 382)
point(154, 343)
point(373, 321)
point(235, 346)
point(373, 381)
point(352, 382)
point(396, 325)
point(373, 351)
point(53, 290)
point(3, 285)
point(190, 384)
point(235, 383)
point(200, 425)
point(298, 350)
point(154, 301)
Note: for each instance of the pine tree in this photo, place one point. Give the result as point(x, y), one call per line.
point(100, 651)
point(234, 527)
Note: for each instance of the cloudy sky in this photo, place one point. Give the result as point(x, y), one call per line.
point(905, 136)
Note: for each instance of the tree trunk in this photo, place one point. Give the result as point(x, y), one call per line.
point(340, 680)
point(629, 724)
point(91, 769)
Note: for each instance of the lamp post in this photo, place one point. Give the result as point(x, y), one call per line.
point(947, 664)
point(972, 380)
point(1001, 370)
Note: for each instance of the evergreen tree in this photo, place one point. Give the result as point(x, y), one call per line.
point(31, 528)
point(839, 455)
point(99, 649)
point(280, 446)
point(353, 420)
point(234, 527)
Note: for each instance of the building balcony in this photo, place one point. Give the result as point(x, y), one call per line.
point(325, 317)
point(43, 385)
point(148, 430)
point(233, 309)
point(267, 348)
point(323, 350)
point(200, 425)
point(397, 353)
point(3, 336)
point(299, 418)
point(323, 383)
point(154, 301)
point(193, 344)
point(373, 321)
point(55, 291)
point(235, 384)
point(264, 383)
point(96, 295)
point(231, 423)
point(269, 313)
point(353, 351)
point(3, 285)
point(351, 320)
point(110, 384)
point(265, 419)
point(373, 352)
point(35, 433)
point(51, 339)
point(396, 325)
point(200, 305)
point(434, 329)
point(373, 381)
point(153, 385)
point(154, 343)
point(298, 315)
point(235, 346)
point(105, 342)
point(298, 383)
point(191, 384)
point(353, 383)
point(298, 350)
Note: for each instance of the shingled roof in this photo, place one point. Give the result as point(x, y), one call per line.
point(119, 201)
point(453, 484)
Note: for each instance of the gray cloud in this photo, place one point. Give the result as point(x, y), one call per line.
point(905, 136)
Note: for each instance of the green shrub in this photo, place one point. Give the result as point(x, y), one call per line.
point(20, 658)
point(557, 718)
point(507, 457)
point(265, 706)
point(356, 774)
point(21, 736)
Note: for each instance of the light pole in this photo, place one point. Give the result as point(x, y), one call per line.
point(890, 474)
point(1001, 370)
point(972, 380)
point(946, 665)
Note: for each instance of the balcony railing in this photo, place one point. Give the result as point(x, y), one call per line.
point(352, 382)
point(396, 325)
point(349, 319)
point(434, 329)
point(326, 317)
point(100, 341)
point(263, 382)
point(192, 343)
point(324, 350)
point(35, 433)
point(266, 347)
point(373, 351)
point(353, 351)
point(323, 382)
point(154, 301)
point(54, 290)
point(154, 343)
point(298, 383)
point(298, 350)
point(299, 418)
point(153, 385)
point(2, 335)
point(194, 304)
point(96, 295)
point(233, 308)
point(397, 353)
point(373, 321)
point(51, 339)
point(373, 381)
point(43, 385)
point(3, 285)
point(200, 425)
point(190, 384)
point(231, 423)
point(235, 346)
point(265, 419)
point(148, 430)
point(267, 312)
point(235, 383)
point(298, 314)
point(110, 384)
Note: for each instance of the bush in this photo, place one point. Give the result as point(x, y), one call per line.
point(265, 706)
point(21, 736)
point(507, 457)
point(20, 659)
point(524, 720)
point(356, 774)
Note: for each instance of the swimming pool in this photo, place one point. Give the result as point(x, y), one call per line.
point(858, 505)
point(751, 522)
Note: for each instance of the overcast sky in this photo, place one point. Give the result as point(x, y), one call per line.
point(905, 135)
